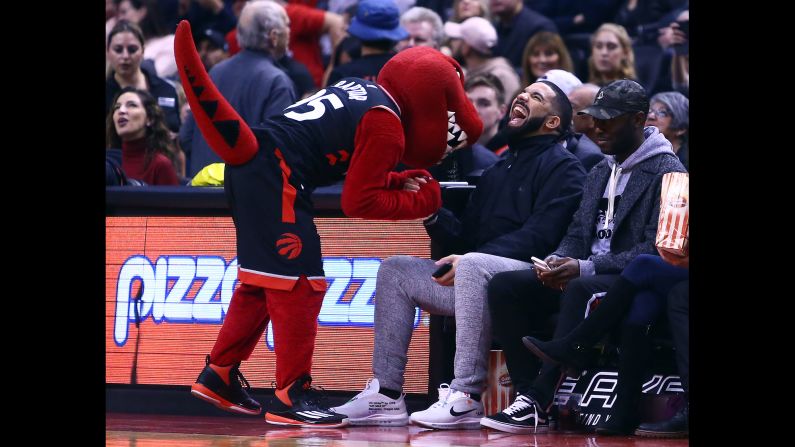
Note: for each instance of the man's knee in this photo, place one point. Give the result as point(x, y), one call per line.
point(395, 267)
point(502, 288)
point(578, 286)
point(578, 292)
point(641, 266)
point(471, 263)
point(469, 259)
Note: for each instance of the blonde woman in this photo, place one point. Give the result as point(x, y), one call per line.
point(612, 57)
point(464, 9)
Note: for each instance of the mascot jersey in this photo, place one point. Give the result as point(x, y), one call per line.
point(320, 129)
point(416, 113)
point(310, 144)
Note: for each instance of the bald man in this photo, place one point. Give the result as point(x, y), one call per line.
point(581, 97)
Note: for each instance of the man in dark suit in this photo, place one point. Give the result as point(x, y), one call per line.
point(616, 221)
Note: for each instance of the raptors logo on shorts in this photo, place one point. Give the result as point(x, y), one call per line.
point(289, 245)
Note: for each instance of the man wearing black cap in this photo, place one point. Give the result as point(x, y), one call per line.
point(212, 48)
point(520, 208)
point(377, 26)
point(616, 221)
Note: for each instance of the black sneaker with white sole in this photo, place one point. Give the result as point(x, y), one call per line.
point(226, 388)
point(523, 416)
point(300, 405)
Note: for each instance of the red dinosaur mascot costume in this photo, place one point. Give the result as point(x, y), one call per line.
point(358, 130)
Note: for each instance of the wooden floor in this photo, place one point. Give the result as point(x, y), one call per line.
point(134, 430)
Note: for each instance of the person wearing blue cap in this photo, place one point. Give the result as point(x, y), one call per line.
point(377, 25)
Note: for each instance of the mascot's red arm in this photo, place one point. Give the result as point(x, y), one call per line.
point(370, 190)
point(226, 133)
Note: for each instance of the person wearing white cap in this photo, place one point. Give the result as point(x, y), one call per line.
point(471, 43)
point(578, 144)
point(563, 79)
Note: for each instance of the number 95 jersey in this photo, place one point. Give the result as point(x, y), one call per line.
point(316, 134)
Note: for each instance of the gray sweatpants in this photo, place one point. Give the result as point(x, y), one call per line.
point(405, 282)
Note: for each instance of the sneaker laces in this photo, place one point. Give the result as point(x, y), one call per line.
point(444, 394)
point(363, 392)
point(312, 395)
point(237, 375)
point(518, 405)
point(523, 402)
point(315, 396)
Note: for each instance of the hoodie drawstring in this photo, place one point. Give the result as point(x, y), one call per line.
point(615, 173)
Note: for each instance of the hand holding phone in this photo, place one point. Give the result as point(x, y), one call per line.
point(683, 49)
point(540, 264)
point(442, 270)
point(684, 25)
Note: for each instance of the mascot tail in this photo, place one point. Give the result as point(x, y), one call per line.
point(226, 133)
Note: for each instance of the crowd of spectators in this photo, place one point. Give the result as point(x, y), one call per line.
point(264, 55)
point(598, 41)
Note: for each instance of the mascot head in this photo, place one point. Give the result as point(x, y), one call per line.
point(437, 116)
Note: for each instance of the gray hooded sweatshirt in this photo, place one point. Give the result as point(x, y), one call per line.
point(654, 144)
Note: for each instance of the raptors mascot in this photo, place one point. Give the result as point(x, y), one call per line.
point(358, 130)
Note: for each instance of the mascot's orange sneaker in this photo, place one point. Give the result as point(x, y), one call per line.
point(300, 405)
point(222, 386)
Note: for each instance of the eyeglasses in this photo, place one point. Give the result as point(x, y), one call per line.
point(661, 113)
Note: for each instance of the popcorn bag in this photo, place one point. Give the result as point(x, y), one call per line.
point(673, 226)
point(499, 389)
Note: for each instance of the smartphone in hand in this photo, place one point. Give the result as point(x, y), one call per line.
point(540, 264)
point(684, 25)
point(442, 270)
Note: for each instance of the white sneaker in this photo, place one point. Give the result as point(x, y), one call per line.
point(454, 409)
point(373, 408)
